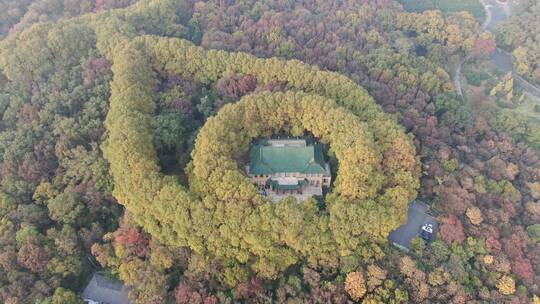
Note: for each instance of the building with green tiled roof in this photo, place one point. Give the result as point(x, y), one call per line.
point(288, 166)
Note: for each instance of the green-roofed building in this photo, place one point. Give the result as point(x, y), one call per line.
point(281, 167)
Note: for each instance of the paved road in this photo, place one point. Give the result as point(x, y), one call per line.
point(488, 14)
point(417, 216)
point(457, 79)
point(529, 88)
point(497, 12)
point(502, 60)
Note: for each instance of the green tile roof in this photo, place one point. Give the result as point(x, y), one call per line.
point(287, 159)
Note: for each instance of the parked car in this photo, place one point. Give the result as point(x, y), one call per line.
point(427, 232)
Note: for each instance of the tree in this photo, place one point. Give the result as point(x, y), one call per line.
point(66, 207)
point(236, 85)
point(521, 61)
point(376, 276)
point(355, 285)
point(484, 46)
point(453, 111)
point(418, 245)
point(475, 215)
point(506, 285)
point(133, 239)
point(185, 294)
point(33, 256)
point(452, 230)
point(534, 189)
point(534, 232)
point(170, 131)
point(505, 88)
point(65, 296)
point(27, 233)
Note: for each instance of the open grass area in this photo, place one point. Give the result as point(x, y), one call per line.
point(523, 122)
point(526, 109)
point(446, 6)
point(474, 84)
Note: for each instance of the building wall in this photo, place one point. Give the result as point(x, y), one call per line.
point(314, 179)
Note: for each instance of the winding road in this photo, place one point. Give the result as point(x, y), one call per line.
point(497, 12)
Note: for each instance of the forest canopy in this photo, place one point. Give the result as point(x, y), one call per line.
point(377, 176)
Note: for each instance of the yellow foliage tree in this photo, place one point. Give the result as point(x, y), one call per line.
point(475, 215)
point(408, 266)
point(506, 285)
point(355, 285)
point(376, 276)
point(535, 189)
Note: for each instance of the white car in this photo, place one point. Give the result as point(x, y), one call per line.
point(427, 232)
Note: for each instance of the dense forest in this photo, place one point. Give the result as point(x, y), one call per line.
point(20, 14)
point(123, 131)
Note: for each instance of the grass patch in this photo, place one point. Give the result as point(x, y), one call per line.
point(530, 109)
point(446, 6)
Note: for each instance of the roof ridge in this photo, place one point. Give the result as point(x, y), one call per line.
point(275, 159)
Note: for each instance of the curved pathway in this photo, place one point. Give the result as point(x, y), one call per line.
point(488, 14)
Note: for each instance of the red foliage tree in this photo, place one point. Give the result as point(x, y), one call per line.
point(250, 290)
point(33, 256)
point(456, 198)
point(484, 47)
point(133, 239)
point(99, 5)
point(236, 86)
point(523, 269)
point(183, 106)
point(452, 230)
point(514, 245)
point(492, 238)
point(185, 294)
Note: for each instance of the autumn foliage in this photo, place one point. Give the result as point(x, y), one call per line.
point(452, 230)
point(355, 285)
